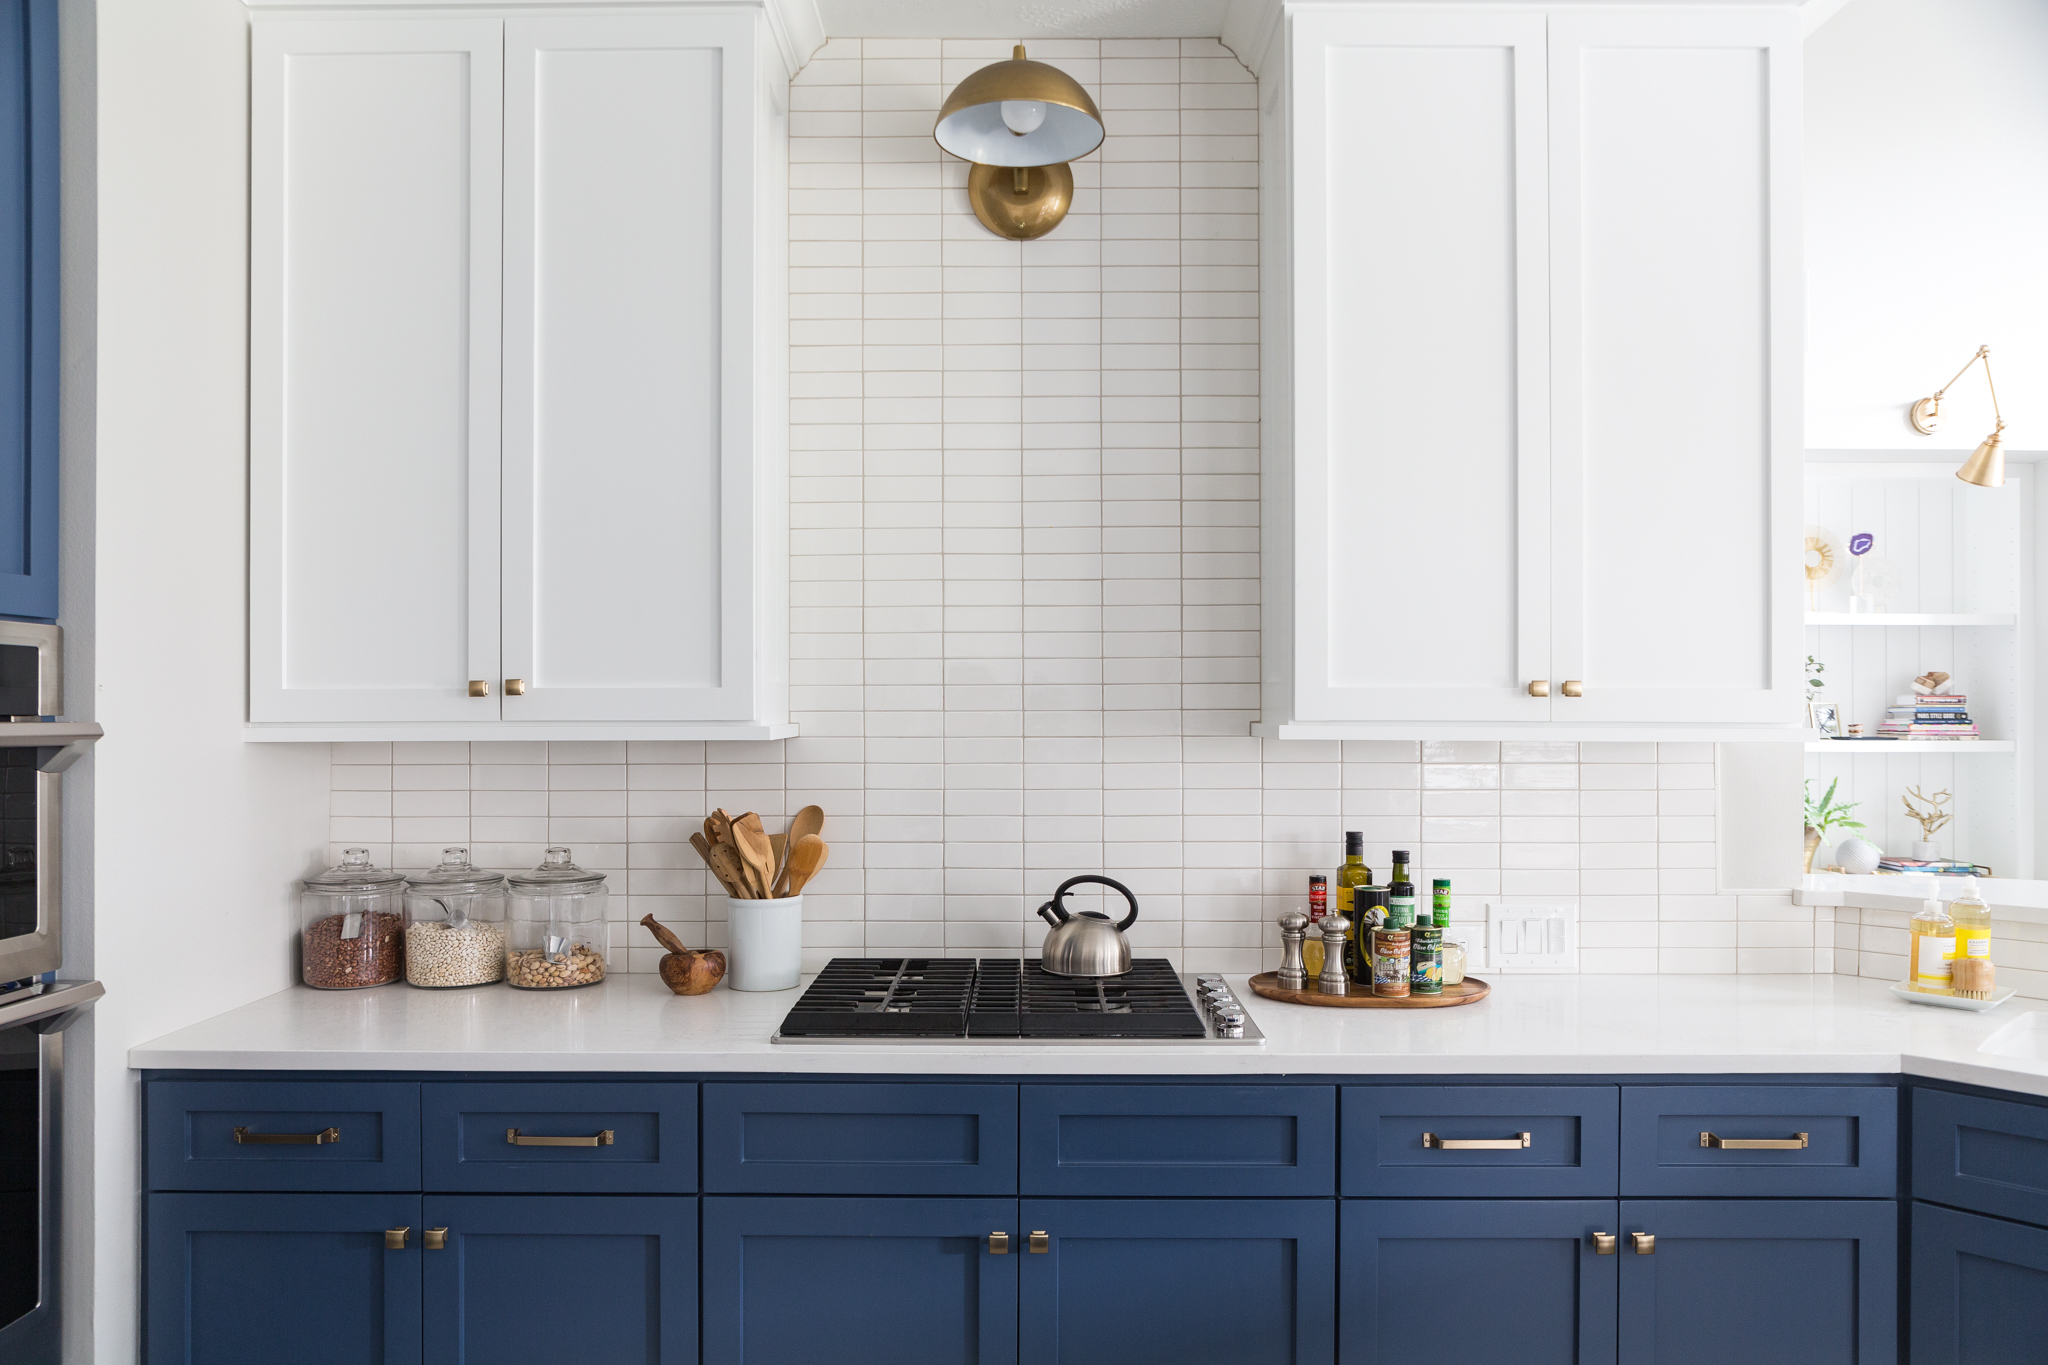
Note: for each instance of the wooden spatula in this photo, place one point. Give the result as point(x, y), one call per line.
point(809, 820)
point(704, 850)
point(725, 862)
point(806, 856)
point(755, 852)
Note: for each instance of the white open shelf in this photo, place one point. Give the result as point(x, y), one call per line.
point(1911, 746)
point(1911, 618)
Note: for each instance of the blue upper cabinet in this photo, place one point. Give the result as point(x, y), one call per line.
point(28, 309)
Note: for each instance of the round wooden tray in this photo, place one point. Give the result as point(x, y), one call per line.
point(1466, 992)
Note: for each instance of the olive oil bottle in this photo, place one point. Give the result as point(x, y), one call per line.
point(1400, 893)
point(1352, 874)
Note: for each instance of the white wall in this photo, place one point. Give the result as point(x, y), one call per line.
point(1927, 188)
point(199, 836)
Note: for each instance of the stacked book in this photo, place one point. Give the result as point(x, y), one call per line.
point(1930, 717)
point(1940, 867)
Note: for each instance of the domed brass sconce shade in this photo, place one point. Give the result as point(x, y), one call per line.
point(1986, 465)
point(1027, 119)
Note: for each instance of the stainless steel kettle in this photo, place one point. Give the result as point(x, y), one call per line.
point(1086, 942)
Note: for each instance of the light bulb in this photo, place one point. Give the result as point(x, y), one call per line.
point(1023, 117)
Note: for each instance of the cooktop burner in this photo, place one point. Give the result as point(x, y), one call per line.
point(926, 999)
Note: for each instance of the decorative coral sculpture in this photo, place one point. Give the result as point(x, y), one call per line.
point(1931, 819)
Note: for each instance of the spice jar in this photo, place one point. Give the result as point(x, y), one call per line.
point(455, 924)
point(352, 925)
point(558, 926)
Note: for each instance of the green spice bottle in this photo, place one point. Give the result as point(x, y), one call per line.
point(1400, 894)
point(1440, 903)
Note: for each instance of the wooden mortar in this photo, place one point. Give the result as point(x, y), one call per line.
point(686, 971)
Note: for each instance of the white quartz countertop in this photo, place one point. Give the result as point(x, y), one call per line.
point(1530, 1025)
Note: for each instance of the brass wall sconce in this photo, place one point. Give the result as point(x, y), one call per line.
point(1986, 465)
point(1020, 122)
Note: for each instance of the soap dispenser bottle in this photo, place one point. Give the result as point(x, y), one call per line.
point(1932, 964)
point(1973, 922)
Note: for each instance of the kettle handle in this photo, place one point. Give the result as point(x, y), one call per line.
point(1060, 895)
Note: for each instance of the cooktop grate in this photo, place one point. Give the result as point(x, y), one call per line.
point(991, 997)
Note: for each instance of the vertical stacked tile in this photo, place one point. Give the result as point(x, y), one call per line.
point(827, 418)
point(664, 802)
point(1301, 829)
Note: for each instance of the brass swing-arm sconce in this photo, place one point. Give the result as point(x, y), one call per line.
point(1020, 122)
point(1986, 465)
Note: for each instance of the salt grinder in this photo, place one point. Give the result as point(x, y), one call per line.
point(1332, 981)
point(1293, 973)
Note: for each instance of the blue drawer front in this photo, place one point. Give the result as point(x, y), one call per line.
point(802, 1138)
point(1178, 1140)
point(1980, 1289)
point(1851, 1140)
point(374, 1145)
point(1571, 1153)
point(653, 1126)
point(1988, 1155)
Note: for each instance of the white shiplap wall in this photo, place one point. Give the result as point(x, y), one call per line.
point(1024, 563)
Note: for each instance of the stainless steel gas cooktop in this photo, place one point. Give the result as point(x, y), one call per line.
point(1005, 999)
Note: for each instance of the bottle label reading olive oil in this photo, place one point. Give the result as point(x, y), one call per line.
point(1426, 960)
point(1390, 964)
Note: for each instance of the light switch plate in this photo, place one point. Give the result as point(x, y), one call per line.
point(1532, 936)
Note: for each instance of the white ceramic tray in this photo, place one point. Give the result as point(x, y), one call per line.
point(1952, 1002)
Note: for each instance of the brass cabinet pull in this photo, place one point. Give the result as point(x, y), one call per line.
point(1540, 688)
point(326, 1137)
point(478, 687)
point(1604, 1243)
point(1645, 1243)
point(999, 1244)
point(437, 1239)
point(1040, 1242)
point(394, 1238)
point(517, 1139)
point(515, 687)
point(1790, 1144)
point(1475, 1144)
point(1574, 688)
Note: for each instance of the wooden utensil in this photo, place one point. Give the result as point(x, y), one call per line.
point(685, 971)
point(725, 862)
point(779, 843)
point(718, 827)
point(806, 856)
point(704, 847)
point(755, 853)
point(809, 820)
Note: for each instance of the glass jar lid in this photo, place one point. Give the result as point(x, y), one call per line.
point(456, 875)
point(557, 874)
point(355, 873)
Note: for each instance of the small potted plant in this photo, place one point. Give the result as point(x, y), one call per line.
point(1824, 815)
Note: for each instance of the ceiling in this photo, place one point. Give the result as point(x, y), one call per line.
point(1022, 18)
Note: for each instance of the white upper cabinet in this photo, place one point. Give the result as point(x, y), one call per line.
point(518, 432)
point(1534, 465)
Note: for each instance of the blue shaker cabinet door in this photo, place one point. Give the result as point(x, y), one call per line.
point(553, 1279)
point(898, 1281)
point(306, 1278)
point(823, 1137)
point(28, 308)
point(1980, 1290)
point(1532, 1287)
point(1191, 1140)
point(1765, 1282)
point(1170, 1281)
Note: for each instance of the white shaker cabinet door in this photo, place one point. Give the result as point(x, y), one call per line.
point(630, 315)
point(1675, 192)
point(1420, 555)
point(374, 369)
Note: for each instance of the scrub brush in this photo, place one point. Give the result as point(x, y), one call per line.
point(1975, 978)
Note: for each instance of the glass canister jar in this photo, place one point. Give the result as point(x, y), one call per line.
point(558, 928)
point(353, 925)
point(455, 924)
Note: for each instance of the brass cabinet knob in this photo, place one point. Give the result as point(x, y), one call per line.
point(478, 687)
point(999, 1244)
point(1574, 688)
point(394, 1238)
point(1645, 1243)
point(437, 1239)
point(1604, 1243)
point(1540, 688)
point(1041, 1242)
point(515, 687)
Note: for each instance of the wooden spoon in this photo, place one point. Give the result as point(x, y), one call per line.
point(684, 971)
point(755, 852)
point(806, 856)
point(779, 843)
point(704, 851)
point(809, 820)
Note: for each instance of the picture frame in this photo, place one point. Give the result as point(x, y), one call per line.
point(1824, 717)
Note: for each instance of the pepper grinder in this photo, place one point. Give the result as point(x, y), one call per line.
point(1332, 981)
point(1293, 974)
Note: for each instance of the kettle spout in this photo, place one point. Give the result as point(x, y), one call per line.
point(1051, 915)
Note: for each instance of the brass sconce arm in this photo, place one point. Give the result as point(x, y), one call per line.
point(1986, 465)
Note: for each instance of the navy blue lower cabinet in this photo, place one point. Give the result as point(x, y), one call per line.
point(1980, 1289)
point(822, 1137)
point(1983, 1154)
point(1481, 1141)
point(892, 1281)
point(1531, 1285)
point(1764, 1282)
point(549, 1279)
point(307, 1278)
point(1170, 1281)
point(1191, 1140)
point(617, 1137)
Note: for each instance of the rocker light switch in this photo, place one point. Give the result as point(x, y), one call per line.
point(1533, 936)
